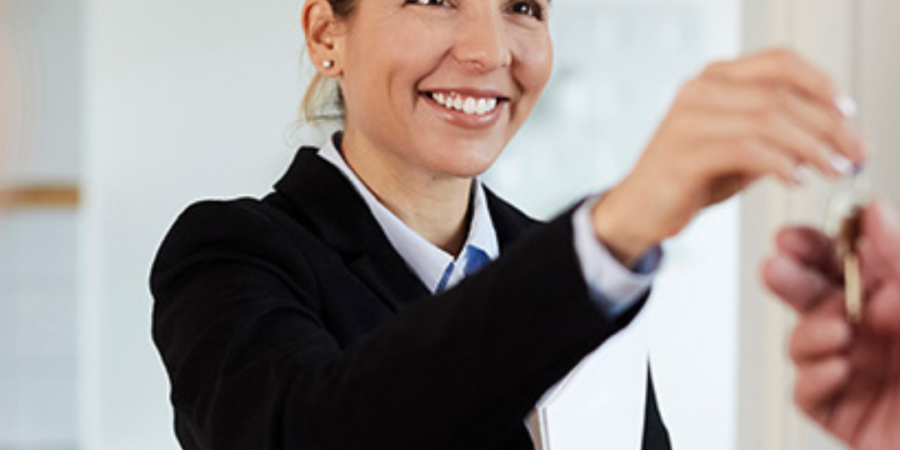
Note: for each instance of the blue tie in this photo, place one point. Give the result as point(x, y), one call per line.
point(476, 258)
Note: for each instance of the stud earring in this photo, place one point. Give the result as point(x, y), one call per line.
point(328, 64)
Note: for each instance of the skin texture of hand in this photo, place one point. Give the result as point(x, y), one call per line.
point(848, 376)
point(764, 114)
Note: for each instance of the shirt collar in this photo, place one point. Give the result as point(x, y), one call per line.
point(429, 262)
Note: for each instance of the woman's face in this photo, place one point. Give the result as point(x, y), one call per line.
point(441, 86)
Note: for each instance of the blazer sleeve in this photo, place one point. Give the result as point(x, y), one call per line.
point(237, 322)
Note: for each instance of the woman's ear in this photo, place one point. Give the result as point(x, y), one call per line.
point(323, 31)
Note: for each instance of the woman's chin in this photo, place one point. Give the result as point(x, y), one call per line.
point(464, 166)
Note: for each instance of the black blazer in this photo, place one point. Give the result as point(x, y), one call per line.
point(292, 323)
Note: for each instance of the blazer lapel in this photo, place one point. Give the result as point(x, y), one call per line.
point(321, 197)
point(509, 222)
point(324, 199)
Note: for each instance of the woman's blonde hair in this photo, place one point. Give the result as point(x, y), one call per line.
point(324, 100)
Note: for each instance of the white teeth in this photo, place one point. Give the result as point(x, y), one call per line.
point(481, 108)
point(468, 105)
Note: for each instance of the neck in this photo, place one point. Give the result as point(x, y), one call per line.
point(434, 206)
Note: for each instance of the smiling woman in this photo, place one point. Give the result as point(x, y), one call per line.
point(382, 297)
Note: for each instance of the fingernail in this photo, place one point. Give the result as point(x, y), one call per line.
point(841, 164)
point(846, 106)
point(802, 175)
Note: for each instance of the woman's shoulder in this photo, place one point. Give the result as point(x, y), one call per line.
point(228, 219)
point(243, 228)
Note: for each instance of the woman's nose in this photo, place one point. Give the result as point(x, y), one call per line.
point(482, 43)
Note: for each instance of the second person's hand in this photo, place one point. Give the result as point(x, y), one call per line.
point(848, 376)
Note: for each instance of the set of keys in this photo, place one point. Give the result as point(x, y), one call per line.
point(844, 224)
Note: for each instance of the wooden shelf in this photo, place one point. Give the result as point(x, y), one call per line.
point(39, 197)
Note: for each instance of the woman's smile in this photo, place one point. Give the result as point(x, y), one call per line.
point(466, 107)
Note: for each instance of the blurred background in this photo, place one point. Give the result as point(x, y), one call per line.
point(116, 114)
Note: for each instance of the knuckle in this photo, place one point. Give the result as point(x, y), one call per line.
point(766, 120)
point(691, 91)
point(774, 101)
point(746, 145)
point(708, 153)
point(714, 68)
point(786, 168)
point(784, 55)
point(769, 102)
point(787, 62)
point(682, 125)
point(813, 149)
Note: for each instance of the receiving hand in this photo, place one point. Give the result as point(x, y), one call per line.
point(848, 376)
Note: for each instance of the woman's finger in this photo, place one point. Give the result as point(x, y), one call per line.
point(805, 146)
point(743, 131)
point(748, 158)
point(829, 126)
point(819, 119)
point(780, 67)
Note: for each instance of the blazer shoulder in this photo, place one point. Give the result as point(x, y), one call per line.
point(241, 229)
point(215, 220)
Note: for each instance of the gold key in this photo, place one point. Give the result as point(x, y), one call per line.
point(845, 226)
point(847, 239)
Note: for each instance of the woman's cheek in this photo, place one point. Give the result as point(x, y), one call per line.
point(535, 65)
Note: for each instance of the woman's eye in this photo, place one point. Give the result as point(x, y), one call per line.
point(528, 8)
point(428, 2)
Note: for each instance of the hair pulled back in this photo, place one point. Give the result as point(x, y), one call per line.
point(323, 99)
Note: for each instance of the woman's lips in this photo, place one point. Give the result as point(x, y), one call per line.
point(472, 111)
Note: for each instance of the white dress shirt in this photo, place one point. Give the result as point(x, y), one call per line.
point(613, 289)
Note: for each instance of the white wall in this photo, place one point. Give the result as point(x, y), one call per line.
point(185, 100)
point(45, 49)
point(878, 92)
point(7, 78)
point(40, 134)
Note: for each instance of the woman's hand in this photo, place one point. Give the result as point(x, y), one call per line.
point(764, 114)
point(848, 378)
